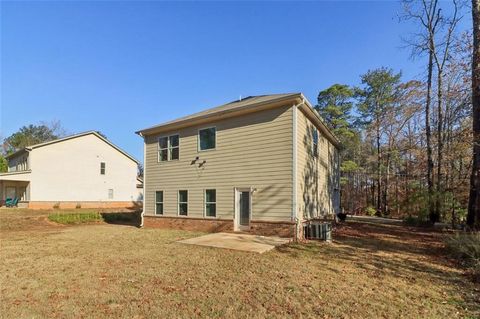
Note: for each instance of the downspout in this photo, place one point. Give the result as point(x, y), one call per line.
point(144, 178)
point(294, 216)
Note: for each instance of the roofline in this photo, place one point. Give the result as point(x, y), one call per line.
point(323, 127)
point(30, 148)
point(184, 122)
point(15, 173)
point(17, 152)
point(298, 98)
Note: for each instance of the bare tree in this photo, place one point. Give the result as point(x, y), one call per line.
point(429, 16)
point(473, 217)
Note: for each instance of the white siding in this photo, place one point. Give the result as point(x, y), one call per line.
point(70, 171)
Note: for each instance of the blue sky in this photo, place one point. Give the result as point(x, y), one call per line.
point(121, 66)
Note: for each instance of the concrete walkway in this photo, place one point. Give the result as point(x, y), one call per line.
point(376, 220)
point(244, 242)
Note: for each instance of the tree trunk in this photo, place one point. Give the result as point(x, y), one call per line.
point(379, 177)
point(387, 185)
point(473, 217)
point(438, 201)
point(431, 212)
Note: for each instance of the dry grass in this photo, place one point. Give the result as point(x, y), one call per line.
point(370, 271)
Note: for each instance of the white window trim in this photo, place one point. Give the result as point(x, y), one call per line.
point(315, 150)
point(178, 202)
point(205, 203)
point(168, 148)
point(236, 220)
point(162, 202)
point(198, 139)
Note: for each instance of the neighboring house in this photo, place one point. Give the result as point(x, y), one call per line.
point(261, 164)
point(82, 170)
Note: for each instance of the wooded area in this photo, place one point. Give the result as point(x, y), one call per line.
point(408, 142)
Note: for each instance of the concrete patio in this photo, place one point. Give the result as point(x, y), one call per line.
point(243, 242)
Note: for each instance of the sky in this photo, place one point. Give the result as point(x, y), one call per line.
point(120, 66)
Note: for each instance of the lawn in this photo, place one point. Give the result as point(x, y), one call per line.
point(105, 270)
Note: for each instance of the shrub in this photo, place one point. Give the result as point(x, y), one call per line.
point(75, 218)
point(370, 211)
point(465, 247)
point(416, 221)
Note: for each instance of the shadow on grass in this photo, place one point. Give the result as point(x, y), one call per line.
point(398, 252)
point(122, 218)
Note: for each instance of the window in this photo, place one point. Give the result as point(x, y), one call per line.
point(168, 148)
point(210, 203)
point(22, 193)
point(159, 203)
point(10, 192)
point(102, 168)
point(110, 193)
point(207, 138)
point(315, 142)
point(173, 147)
point(183, 203)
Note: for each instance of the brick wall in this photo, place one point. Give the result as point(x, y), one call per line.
point(282, 229)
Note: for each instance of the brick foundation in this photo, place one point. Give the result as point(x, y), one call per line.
point(282, 229)
point(70, 205)
point(193, 224)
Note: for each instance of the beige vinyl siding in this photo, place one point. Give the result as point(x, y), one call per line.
point(317, 177)
point(252, 150)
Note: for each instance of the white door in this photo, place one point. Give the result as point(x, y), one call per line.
point(243, 208)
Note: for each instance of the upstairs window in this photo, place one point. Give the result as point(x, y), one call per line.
point(315, 142)
point(168, 148)
point(102, 168)
point(207, 138)
point(183, 203)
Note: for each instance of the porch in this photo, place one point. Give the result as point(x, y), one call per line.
point(15, 185)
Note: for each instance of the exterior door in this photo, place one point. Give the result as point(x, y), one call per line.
point(243, 209)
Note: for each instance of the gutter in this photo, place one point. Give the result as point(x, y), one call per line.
point(144, 179)
point(323, 127)
point(179, 123)
point(294, 162)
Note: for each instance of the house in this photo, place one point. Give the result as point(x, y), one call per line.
point(83, 170)
point(263, 164)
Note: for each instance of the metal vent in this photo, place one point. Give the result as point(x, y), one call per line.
point(318, 230)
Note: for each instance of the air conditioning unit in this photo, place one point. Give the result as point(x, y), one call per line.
point(318, 230)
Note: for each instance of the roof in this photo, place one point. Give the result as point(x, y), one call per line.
point(253, 103)
point(31, 147)
point(228, 107)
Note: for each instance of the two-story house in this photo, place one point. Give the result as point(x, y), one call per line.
point(83, 170)
point(263, 164)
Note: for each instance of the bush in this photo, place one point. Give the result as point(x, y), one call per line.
point(342, 217)
point(416, 221)
point(370, 211)
point(91, 216)
point(75, 218)
point(465, 247)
